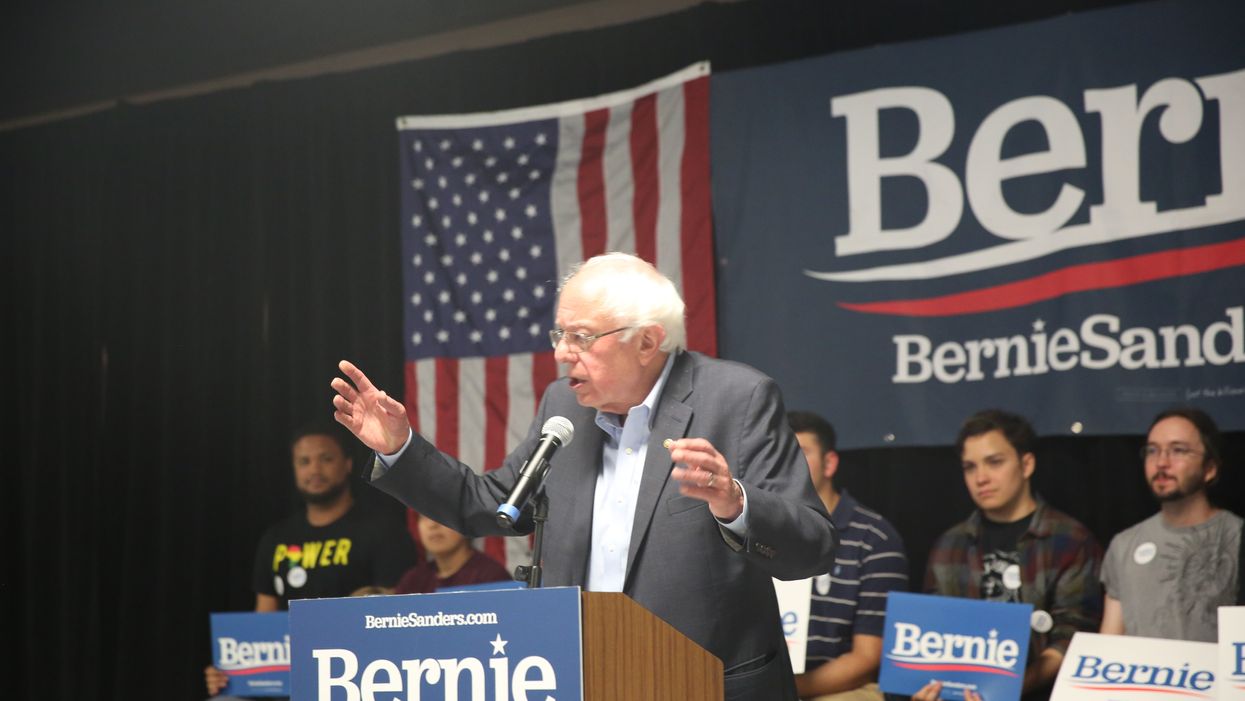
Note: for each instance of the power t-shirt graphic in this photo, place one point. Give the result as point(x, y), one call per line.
point(296, 560)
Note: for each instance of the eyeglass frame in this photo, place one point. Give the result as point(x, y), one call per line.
point(584, 341)
point(1178, 453)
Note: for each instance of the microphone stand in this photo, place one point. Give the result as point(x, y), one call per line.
point(533, 573)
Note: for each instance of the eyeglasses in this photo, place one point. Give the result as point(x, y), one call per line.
point(1175, 453)
point(579, 342)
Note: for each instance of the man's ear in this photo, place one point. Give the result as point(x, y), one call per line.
point(1028, 463)
point(831, 464)
point(650, 340)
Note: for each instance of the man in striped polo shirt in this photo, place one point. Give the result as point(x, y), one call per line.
point(848, 604)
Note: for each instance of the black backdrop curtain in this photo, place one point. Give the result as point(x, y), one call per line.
point(182, 278)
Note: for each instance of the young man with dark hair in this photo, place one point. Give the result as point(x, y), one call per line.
point(848, 605)
point(1167, 576)
point(1017, 548)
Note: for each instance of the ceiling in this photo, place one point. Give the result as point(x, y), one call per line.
point(63, 57)
point(56, 54)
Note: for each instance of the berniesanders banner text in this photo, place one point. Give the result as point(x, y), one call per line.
point(1051, 213)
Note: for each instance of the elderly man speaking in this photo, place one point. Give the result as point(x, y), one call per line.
point(683, 486)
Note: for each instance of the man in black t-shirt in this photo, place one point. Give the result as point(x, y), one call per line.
point(1016, 548)
point(329, 548)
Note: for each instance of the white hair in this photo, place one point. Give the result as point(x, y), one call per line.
point(631, 291)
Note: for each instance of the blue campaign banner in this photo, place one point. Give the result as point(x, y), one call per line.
point(492, 645)
point(963, 643)
point(254, 650)
point(1047, 217)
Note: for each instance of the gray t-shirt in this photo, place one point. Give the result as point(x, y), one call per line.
point(1171, 581)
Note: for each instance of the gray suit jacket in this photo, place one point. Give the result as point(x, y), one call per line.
point(681, 566)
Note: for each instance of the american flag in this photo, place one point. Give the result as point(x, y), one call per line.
point(496, 208)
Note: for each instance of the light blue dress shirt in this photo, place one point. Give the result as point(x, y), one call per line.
point(618, 487)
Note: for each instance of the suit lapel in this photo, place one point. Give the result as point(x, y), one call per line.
point(672, 419)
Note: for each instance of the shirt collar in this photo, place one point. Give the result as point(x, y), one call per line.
point(842, 514)
point(1038, 527)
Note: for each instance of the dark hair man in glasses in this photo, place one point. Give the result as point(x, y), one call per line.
point(683, 487)
point(1167, 576)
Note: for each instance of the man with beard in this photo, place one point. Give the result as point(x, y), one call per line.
point(327, 548)
point(1167, 576)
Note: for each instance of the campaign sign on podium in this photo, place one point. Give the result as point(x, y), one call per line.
point(253, 649)
point(1112, 667)
point(497, 645)
point(963, 643)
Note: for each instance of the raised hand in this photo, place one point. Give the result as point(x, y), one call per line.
point(375, 418)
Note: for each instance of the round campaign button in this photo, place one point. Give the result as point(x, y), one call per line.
point(1145, 553)
point(1011, 577)
point(1041, 621)
point(297, 577)
point(279, 585)
point(822, 583)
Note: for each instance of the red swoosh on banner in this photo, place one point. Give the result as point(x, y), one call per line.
point(1146, 689)
point(1075, 278)
point(956, 668)
point(257, 670)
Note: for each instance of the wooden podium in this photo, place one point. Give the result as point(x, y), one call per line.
point(628, 653)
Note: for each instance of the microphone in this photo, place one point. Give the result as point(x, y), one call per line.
point(557, 432)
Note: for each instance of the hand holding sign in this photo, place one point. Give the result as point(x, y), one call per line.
point(933, 692)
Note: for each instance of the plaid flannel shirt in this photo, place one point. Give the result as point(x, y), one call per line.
point(1059, 563)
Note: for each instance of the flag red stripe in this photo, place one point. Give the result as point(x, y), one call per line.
point(496, 415)
point(1076, 278)
point(495, 547)
point(496, 410)
point(447, 406)
point(696, 236)
point(411, 396)
point(591, 183)
point(544, 372)
point(645, 176)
